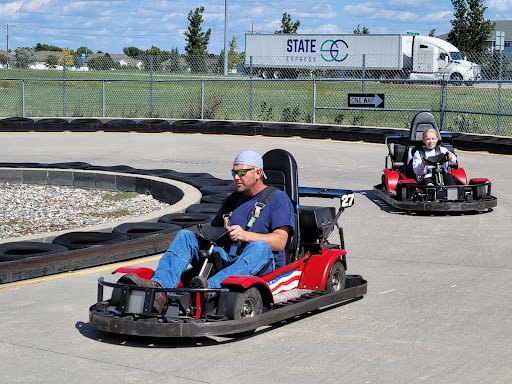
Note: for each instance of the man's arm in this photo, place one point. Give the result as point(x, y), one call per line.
point(276, 240)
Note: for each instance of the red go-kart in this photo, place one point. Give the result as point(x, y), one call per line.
point(313, 277)
point(400, 189)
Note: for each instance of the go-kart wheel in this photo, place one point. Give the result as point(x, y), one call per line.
point(337, 278)
point(244, 304)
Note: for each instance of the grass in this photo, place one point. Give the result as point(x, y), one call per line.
point(119, 196)
point(231, 100)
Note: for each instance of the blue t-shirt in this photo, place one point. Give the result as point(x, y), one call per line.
point(278, 212)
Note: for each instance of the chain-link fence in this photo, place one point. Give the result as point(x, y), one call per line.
point(193, 88)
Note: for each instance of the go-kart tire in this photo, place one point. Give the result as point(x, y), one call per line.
point(79, 240)
point(26, 249)
point(208, 208)
point(241, 305)
point(138, 230)
point(337, 279)
point(185, 220)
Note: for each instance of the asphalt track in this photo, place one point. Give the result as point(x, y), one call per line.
point(438, 308)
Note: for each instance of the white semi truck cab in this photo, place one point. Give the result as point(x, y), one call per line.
point(438, 58)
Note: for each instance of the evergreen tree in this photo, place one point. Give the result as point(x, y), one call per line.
point(358, 31)
point(197, 42)
point(287, 26)
point(470, 30)
point(432, 33)
point(174, 61)
point(234, 58)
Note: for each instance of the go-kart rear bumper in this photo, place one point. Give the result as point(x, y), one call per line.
point(158, 327)
point(482, 204)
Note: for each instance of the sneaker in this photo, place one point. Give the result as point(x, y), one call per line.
point(160, 297)
point(200, 282)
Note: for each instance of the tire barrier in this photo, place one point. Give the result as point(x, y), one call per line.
point(85, 125)
point(215, 198)
point(463, 141)
point(51, 125)
point(137, 230)
point(186, 126)
point(22, 250)
point(79, 240)
point(186, 220)
point(153, 126)
point(218, 189)
point(208, 208)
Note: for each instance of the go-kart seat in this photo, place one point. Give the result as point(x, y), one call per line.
point(420, 123)
point(281, 171)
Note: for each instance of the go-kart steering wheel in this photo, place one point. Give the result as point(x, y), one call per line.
point(437, 159)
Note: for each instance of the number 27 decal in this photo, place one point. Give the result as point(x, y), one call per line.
point(347, 200)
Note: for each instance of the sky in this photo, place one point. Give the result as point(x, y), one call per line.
point(108, 26)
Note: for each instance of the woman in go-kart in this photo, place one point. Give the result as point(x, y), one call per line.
point(420, 166)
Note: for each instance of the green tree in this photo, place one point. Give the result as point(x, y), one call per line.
point(3, 59)
point(155, 54)
point(197, 42)
point(358, 31)
point(234, 58)
point(133, 52)
point(470, 29)
point(287, 26)
point(24, 57)
point(51, 61)
point(46, 47)
point(102, 63)
point(174, 61)
point(85, 50)
point(432, 33)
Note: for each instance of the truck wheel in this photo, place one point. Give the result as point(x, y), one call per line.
point(278, 74)
point(337, 278)
point(456, 76)
point(244, 304)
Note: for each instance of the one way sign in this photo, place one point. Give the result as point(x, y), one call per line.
point(366, 100)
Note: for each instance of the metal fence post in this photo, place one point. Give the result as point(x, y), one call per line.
point(314, 100)
point(498, 119)
point(103, 96)
point(363, 75)
point(443, 101)
point(23, 98)
point(63, 87)
point(150, 84)
point(250, 88)
point(202, 99)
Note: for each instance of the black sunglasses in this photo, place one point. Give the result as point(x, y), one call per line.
point(241, 172)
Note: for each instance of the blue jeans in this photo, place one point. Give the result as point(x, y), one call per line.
point(255, 259)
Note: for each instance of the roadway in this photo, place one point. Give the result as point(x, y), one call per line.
point(438, 308)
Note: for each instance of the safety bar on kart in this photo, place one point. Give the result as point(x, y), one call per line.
point(149, 293)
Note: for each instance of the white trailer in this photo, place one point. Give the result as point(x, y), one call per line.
point(386, 56)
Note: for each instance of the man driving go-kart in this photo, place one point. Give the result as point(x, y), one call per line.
point(258, 220)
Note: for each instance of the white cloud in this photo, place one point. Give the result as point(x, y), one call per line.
point(407, 4)
point(395, 16)
point(500, 5)
point(10, 9)
point(361, 9)
point(37, 5)
point(328, 28)
point(436, 17)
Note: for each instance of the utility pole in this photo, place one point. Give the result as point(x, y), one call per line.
point(7, 36)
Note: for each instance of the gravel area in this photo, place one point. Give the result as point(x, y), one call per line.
point(30, 209)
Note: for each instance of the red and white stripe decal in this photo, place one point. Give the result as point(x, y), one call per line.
point(286, 281)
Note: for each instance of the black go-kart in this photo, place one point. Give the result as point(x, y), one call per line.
point(313, 277)
point(400, 189)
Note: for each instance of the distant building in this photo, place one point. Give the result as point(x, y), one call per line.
point(502, 26)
